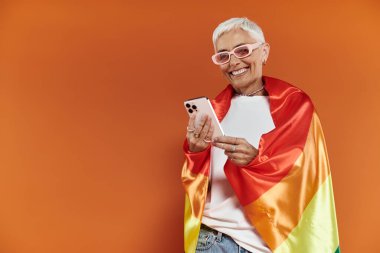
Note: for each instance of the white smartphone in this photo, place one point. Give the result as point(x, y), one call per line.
point(200, 106)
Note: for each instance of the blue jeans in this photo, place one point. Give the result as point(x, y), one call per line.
point(212, 241)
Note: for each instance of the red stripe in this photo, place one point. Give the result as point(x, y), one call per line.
point(197, 163)
point(292, 111)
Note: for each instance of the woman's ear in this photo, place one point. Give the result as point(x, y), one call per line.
point(265, 55)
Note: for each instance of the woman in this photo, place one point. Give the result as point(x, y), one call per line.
point(266, 185)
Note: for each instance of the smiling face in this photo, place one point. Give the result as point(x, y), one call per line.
point(245, 75)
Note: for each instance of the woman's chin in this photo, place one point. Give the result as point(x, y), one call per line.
point(239, 84)
point(242, 84)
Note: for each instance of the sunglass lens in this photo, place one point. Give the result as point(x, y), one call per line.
point(242, 51)
point(222, 57)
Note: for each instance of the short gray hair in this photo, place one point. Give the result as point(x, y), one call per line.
point(242, 23)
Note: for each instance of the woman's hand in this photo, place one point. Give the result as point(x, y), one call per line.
point(199, 138)
point(238, 150)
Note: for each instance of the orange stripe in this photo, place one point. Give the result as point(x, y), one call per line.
point(279, 210)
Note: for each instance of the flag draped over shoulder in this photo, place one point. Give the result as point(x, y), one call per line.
point(286, 191)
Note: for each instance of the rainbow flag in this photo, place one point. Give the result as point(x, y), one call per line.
point(286, 191)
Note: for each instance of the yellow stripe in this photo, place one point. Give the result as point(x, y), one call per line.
point(192, 227)
point(317, 231)
point(196, 192)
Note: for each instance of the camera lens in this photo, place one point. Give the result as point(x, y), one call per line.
point(188, 105)
point(190, 111)
point(194, 107)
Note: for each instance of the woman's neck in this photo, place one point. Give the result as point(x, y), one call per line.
point(255, 89)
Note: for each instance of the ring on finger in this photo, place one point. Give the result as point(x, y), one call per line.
point(196, 135)
point(233, 148)
point(190, 130)
point(207, 140)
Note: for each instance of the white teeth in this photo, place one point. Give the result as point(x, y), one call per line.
point(238, 72)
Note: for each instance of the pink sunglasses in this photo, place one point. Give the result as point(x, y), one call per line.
point(240, 52)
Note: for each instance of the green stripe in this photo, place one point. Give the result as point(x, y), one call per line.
point(337, 250)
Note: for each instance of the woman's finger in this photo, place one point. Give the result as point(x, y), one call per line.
point(234, 155)
point(219, 145)
point(248, 149)
point(191, 123)
point(238, 149)
point(239, 158)
point(225, 140)
point(208, 137)
point(196, 138)
point(225, 146)
point(238, 141)
point(201, 124)
point(230, 140)
point(242, 154)
point(190, 129)
point(206, 128)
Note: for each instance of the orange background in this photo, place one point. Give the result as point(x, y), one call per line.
point(92, 122)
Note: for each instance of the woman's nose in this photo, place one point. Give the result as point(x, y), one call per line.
point(234, 60)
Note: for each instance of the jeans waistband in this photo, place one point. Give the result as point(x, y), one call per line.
point(218, 234)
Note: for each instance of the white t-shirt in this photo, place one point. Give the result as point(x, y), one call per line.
point(249, 118)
